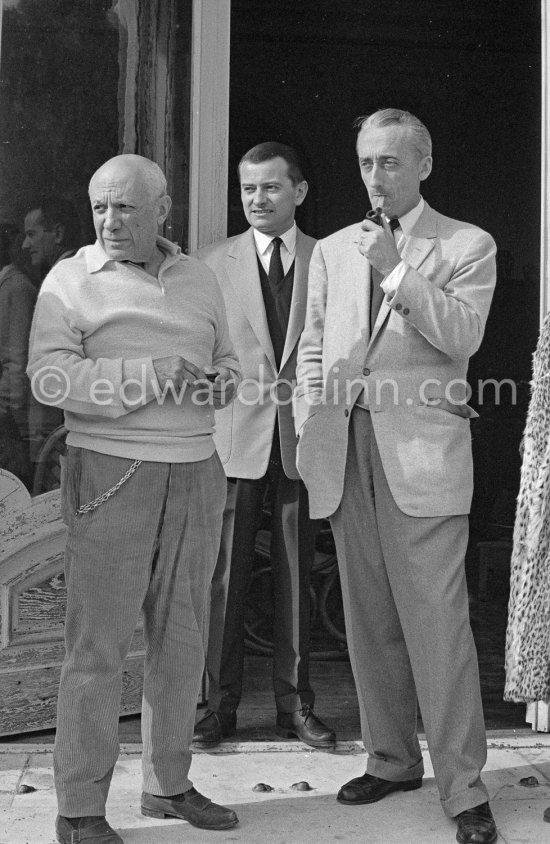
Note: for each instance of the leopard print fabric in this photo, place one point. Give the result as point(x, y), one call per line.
point(528, 634)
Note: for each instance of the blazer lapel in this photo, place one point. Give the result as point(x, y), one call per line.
point(381, 317)
point(358, 272)
point(298, 303)
point(416, 248)
point(421, 240)
point(242, 269)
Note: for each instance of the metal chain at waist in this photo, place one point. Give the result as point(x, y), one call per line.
point(101, 499)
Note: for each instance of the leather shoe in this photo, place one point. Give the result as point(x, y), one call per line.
point(476, 826)
point(93, 828)
point(189, 806)
point(214, 727)
point(370, 789)
point(304, 725)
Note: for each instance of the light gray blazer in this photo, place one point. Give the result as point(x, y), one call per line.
point(244, 430)
point(414, 365)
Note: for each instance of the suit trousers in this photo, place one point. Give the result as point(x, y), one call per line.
point(292, 552)
point(151, 547)
point(408, 631)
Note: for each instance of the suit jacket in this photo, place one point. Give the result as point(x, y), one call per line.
point(244, 430)
point(414, 365)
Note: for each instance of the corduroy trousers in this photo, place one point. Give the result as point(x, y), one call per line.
point(149, 548)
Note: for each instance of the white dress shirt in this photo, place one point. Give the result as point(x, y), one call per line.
point(264, 247)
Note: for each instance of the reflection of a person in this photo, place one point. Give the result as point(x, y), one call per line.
point(52, 233)
point(528, 634)
point(17, 298)
point(143, 492)
point(393, 314)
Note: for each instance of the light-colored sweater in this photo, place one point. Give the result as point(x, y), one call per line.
point(97, 328)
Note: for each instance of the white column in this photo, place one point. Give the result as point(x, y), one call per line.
point(209, 122)
point(537, 715)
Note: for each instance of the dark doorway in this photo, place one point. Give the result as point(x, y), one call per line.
point(301, 72)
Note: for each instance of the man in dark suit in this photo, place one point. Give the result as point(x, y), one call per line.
point(394, 313)
point(263, 277)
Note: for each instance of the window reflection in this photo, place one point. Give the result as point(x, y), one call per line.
point(59, 121)
point(80, 81)
point(17, 298)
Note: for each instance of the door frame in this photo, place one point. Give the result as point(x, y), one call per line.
point(209, 146)
point(210, 150)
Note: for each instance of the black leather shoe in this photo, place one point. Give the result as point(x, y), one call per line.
point(476, 826)
point(94, 829)
point(189, 806)
point(214, 727)
point(304, 725)
point(370, 789)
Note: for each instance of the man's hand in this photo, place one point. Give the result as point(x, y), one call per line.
point(175, 370)
point(222, 384)
point(377, 243)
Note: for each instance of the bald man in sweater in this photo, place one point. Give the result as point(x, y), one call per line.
point(124, 336)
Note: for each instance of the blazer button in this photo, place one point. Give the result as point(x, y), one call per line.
point(346, 412)
point(366, 371)
point(398, 306)
point(406, 311)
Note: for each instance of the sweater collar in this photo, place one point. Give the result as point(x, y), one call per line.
point(96, 257)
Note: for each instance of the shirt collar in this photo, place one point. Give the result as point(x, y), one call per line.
point(408, 220)
point(97, 258)
point(263, 241)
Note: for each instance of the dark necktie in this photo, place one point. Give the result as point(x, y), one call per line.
point(376, 292)
point(276, 272)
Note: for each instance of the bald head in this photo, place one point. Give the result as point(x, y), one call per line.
point(137, 167)
point(129, 202)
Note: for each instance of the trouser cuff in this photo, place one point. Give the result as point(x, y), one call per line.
point(294, 702)
point(222, 703)
point(165, 788)
point(467, 799)
point(68, 808)
point(394, 773)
